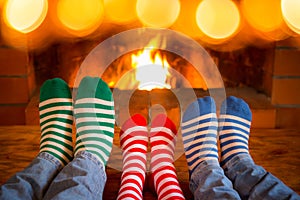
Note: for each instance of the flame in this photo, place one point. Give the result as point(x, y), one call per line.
point(152, 69)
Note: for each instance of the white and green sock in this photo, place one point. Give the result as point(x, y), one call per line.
point(56, 120)
point(95, 118)
point(234, 128)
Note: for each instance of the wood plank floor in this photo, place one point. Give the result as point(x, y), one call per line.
point(277, 150)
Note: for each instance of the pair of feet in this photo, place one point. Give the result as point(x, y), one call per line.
point(201, 129)
point(94, 116)
point(134, 137)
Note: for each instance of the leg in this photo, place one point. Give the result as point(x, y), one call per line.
point(134, 142)
point(250, 180)
point(56, 119)
point(84, 177)
point(162, 142)
point(199, 132)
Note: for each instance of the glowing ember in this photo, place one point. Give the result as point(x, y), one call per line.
point(151, 69)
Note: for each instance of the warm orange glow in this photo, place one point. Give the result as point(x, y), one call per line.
point(121, 12)
point(80, 17)
point(151, 69)
point(264, 16)
point(25, 15)
point(111, 83)
point(291, 14)
point(158, 13)
point(218, 19)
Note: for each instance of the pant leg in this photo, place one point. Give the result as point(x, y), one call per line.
point(208, 181)
point(83, 178)
point(33, 181)
point(254, 182)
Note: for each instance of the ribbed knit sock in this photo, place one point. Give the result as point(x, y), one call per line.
point(134, 143)
point(199, 132)
point(56, 120)
point(234, 128)
point(95, 118)
point(162, 141)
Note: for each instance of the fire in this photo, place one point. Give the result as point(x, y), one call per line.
point(152, 69)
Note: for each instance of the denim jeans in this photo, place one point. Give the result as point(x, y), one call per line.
point(84, 178)
point(45, 178)
point(241, 179)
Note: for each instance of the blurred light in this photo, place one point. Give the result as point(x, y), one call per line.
point(186, 21)
point(25, 15)
point(291, 14)
point(265, 17)
point(121, 12)
point(80, 17)
point(158, 13)
point(218, 19)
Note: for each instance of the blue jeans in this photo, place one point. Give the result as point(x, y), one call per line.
point(84, 178)
point(241, 179)
point(45, 178)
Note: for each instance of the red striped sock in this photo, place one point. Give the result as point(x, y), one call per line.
point(134, 142)
point(162, 141)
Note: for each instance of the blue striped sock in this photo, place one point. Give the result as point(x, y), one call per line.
point(199, 132)
point(234, 128)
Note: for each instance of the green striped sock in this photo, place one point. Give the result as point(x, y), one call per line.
point(56, 120)
point(95, 118)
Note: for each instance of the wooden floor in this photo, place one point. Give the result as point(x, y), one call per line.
point(277, 150)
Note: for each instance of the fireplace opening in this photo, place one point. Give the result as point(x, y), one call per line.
point(247, 67)
point(243, 71)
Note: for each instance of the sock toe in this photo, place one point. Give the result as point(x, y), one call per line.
point(237, 107)
point(93, 87)
point(162, 120)
point(202, 106)
point(54, 88)
point(135, 120)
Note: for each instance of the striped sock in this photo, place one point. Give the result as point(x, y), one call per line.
point(134, 142)
point(56, 120)
point(199, 132)
point(162, 142)
point(234, 128)
point(95, 118)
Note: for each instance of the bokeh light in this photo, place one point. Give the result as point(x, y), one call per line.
point(80, 17)
point(121, 12)
point(158, 13)
point(218, 19)
point(265, 18)
point(291, 14)
point(25, 15)
point(186, 21)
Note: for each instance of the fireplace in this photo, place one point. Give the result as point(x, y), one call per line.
point(246, 72)
point(263, 71)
